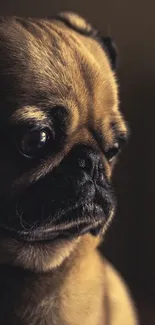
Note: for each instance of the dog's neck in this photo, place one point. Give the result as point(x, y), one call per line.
point(59, 296)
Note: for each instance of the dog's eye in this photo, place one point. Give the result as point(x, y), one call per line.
point(32, 142)
point(112, 152)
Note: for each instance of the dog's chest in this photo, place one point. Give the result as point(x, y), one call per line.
point(53, 310)
point(44, 313)
point(50, 300)
point(28, 300)
point(29, 312)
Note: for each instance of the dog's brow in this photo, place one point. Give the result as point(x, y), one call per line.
point(29, 113)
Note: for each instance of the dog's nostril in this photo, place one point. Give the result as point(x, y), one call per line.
point(100, 166)
point(92, 166)
point(81, 163)
point(87, 164)
point(89, 161)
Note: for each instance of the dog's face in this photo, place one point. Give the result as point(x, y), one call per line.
point(60, 129)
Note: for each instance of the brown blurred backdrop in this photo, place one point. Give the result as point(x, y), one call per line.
point(130, 242)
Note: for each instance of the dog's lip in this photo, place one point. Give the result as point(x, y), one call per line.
point(41, 235)
point(63, 230)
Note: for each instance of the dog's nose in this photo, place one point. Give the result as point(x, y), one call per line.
point(90, 161)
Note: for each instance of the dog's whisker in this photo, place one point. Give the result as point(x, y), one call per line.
point(25, 225)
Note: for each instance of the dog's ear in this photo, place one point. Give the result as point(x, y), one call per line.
point(82, 26)
point(111, 50)
point(77, 22)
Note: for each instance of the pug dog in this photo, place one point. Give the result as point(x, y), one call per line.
point(61, 132)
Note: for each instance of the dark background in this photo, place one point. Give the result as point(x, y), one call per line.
point(130, 242)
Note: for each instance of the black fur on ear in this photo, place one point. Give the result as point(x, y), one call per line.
point(82, 26)
point(111, 50)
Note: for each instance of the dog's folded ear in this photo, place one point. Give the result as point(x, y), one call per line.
point(77, 22)
point(82, 26)
point(111, 50)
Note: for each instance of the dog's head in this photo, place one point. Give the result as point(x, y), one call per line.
point(60, 133)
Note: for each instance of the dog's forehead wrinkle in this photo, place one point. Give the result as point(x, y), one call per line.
point(29, 113)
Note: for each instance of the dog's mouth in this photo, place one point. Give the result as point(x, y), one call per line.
point(69, 218)
point(49, 235)
point(93, 222)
